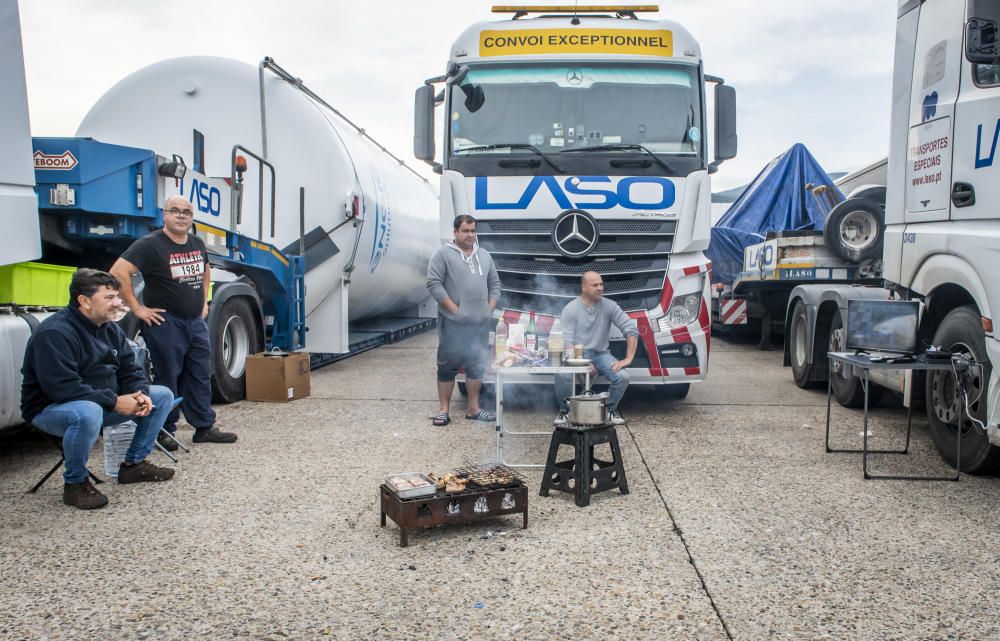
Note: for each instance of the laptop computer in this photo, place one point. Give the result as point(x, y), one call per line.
point(885, 327)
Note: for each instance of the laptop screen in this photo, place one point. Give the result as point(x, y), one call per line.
point(882, 325)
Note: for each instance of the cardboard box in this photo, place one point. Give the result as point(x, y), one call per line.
point(277, 376)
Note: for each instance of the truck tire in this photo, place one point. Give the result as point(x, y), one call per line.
point(961, 332)
point(807, 375)
point(674, 392)
point(235, 335)
point(845, 385)
point(854, 230)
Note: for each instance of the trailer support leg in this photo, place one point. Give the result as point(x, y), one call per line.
point(765, 328)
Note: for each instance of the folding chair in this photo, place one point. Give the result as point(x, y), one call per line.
point(56, 443)
point(164, 431)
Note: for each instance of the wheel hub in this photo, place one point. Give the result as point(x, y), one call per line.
point(858, 230)
point(946, 395)
point(800, 344)
point(235, 346)
point(836, 341)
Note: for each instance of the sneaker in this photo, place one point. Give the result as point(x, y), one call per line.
point(616, 417)
point(213, 435)
point(562, 419)
point(144, 472)
point(166, 442)
point(83, 495)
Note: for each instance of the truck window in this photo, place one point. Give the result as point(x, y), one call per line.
point(986, 75)
point(558, 107)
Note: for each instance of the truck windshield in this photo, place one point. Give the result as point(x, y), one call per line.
point(558, 108)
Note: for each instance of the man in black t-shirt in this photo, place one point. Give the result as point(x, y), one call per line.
point(174, 266)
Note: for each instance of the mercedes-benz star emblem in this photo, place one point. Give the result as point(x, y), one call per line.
point(574, 77)
point(575, 234)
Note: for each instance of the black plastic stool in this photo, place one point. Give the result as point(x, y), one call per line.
point(587, 474)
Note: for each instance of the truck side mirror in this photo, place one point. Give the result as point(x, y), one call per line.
point(981, 31)
point(725, 123)
point(423, 124)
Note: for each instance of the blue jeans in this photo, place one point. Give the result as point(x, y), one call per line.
point(79, 424)
point(602, 362)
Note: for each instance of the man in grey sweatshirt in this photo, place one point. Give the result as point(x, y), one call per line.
point(587, 321)
point(463, 280)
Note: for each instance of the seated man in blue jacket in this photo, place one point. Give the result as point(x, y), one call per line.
point(80, 374)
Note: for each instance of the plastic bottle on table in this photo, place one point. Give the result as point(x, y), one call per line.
point(500, 336)
point(117, 439)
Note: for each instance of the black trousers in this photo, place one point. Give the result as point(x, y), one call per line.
point(182, 361)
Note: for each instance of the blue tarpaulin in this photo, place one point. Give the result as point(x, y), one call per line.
point(776, 200)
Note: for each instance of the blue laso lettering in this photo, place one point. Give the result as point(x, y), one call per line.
point(625, 198)
point(609, 196)
point(215, 202)
point(575, 186)
point(203, 196)
point(986, 162)
point(482, 198)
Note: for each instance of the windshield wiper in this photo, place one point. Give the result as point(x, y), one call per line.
point(513, 145)
point(621, 147)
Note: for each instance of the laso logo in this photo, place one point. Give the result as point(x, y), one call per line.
point(586, 194)
point(206, 198)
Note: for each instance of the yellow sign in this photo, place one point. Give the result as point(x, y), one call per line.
point(524, 42)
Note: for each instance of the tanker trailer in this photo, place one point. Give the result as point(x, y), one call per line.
point(368, 221)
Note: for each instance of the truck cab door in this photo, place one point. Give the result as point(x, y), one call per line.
point(937, 64)
point(976, 163)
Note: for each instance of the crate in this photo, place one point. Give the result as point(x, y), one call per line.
point(35, 284)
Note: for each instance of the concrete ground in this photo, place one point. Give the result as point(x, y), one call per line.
point(738, 526)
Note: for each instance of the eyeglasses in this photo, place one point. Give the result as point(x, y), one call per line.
point(173, 211)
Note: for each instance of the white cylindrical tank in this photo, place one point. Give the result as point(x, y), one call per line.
point(160, 106)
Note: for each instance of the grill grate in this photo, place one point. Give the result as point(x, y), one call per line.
point(666, 227)
point(562, 266)
point(570, 286)
point(489, 475)
point(545, 304)
point(606, 246)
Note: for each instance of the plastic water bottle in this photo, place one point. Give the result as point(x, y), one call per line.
point(500, 337)
point(117, 439)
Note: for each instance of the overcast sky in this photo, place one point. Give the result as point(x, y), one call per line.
point(811, 72)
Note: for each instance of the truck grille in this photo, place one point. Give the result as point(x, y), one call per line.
point(632, 256)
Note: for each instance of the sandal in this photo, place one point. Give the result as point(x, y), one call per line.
point(440, 420)
point(483, 416)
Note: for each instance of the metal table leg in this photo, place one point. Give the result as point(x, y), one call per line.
point(905, 450)
point(864, 450)
point(501, 431)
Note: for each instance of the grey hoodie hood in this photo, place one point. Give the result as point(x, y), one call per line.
point(470, 281)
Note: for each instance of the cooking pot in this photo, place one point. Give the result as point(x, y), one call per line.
point(588, 408)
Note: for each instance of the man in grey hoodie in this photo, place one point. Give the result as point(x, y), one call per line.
point(463, 280)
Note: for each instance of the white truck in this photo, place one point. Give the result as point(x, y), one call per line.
point(578, 140)
point(942, 227)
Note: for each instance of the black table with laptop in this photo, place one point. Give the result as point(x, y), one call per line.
point(883, 335)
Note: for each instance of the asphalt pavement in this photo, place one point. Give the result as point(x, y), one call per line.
point(738, 525)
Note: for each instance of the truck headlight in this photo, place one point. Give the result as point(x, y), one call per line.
point(683, 311)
